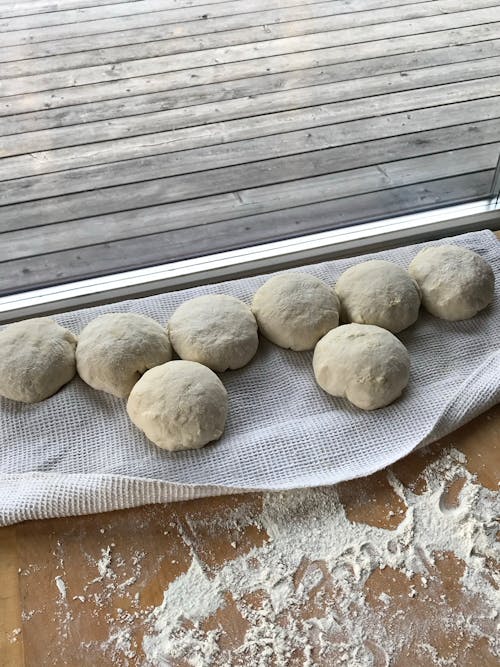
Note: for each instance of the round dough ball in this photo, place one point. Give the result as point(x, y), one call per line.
point(179, 405)
point(294, 310)
point(380, 293)
point(364, 363)
point(115, 349)
point(215, 330)
point(456, 283)
point(37, 357)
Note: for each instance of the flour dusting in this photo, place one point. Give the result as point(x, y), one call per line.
point(104, 564)
point(13, 635)
point(61, 586)
point(311, 593)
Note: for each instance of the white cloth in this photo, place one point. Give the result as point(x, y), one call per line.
point(78, 453)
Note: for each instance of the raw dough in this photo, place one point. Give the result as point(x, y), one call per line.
point(380, 293)
point(215, 330)
point(364, 363)
point(456, 283)
point(179, 405)
point(294, 310)
point(115, 349)
point(37, 357)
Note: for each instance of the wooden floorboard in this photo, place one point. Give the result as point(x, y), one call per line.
point(105, 82)
point(183, 106)
point(169, 246)
point(94, 14)
point(167, 14)
point(236, 209)
point(333, 104)
point(152, 38)
point(210, 31)
point(273, 175)
point(223, 18)
point(30, 7)
point(223, 124)
point(245, 151)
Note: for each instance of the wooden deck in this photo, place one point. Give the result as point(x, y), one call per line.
point(138, 132)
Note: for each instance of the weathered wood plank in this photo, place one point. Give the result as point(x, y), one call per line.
point(147, 36)
point(65, 235)
point(91, 28)
point(210, 33)
point(308, 34)
point(67, 15)
point(341, 112)
point(59, 267)
point(262, 15)
point(137, 22)
point(104, 142)
point(11, 9)
point(469, 119)
point(290, 174)
point(135, 128)
point(204, 211)
point(60, 111)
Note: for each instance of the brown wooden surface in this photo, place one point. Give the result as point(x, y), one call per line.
point(129, 128)
point(33, 554)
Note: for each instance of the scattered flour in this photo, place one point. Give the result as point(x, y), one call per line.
point(304, 595)
point(121, 640)
point(309, 595)
point(13, 635)
point(61, 586)
point(127, 582)
point(27, 615)
point(383, 597)
point(104, 564)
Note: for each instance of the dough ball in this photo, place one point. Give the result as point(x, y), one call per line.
point(380, 293)
point(179, 405)
point(294, 310)
point(364, 363)
point(215, 330)
point(115, 349)
point(37, 357)
point(456, 283)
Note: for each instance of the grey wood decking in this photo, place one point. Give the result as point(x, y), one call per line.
point(135, 133)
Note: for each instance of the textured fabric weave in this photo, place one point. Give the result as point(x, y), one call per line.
point(77, 452)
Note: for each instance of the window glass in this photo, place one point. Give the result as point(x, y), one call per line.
point(139, 132)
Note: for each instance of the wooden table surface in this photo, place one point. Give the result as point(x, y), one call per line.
point(149, 549)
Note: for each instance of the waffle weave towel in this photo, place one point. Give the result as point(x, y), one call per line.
point(78, 453)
